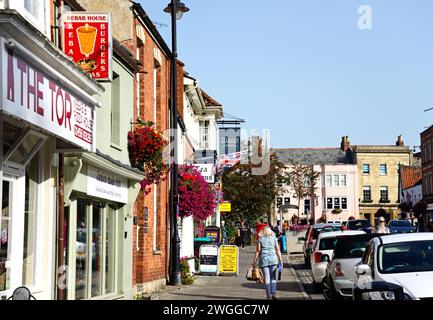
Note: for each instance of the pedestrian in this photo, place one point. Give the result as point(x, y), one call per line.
point(269, 255)
point(223, 232)
point(381, 227)
point(243, 233)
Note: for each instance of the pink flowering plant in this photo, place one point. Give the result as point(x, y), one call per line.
point(145, 147)
point(196, 196)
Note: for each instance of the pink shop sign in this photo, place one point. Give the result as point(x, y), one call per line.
point(31, 94)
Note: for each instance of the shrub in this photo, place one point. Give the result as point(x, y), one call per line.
point(185, 273)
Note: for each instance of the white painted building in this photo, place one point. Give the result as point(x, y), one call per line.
point(197, 131)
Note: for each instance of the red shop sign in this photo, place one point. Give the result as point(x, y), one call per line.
point(87, 39)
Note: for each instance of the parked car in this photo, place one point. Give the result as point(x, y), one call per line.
point(311, 236)
point(401, 226)
point(360, 224)
point(394, 267)
point(340, 271)
point(322, 252)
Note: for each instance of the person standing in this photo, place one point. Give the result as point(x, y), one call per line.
point(243, 233)
point(223, 232)
point(381, 227)
point(269, 256)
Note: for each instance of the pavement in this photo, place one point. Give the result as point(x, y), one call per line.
point(228, 287)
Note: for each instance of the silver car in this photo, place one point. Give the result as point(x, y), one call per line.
point(340, 272)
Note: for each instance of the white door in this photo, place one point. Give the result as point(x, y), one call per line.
point(11, 243)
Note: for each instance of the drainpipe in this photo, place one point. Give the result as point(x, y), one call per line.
point(60, 231)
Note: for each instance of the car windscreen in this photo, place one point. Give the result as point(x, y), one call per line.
point(411, 256)
point(327, 243)
point(326, 229)
point(351, 247)
point(358, 224)
point(403, 223)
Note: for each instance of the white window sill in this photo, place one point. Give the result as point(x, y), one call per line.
point(111, 296)
point(116, 146)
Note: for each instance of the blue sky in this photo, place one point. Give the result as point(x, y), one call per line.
point(304, 70)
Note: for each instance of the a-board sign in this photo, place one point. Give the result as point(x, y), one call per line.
point(212, 232)
point(229, 260)
point(208, 255)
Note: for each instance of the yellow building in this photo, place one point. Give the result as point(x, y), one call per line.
point(378, 176)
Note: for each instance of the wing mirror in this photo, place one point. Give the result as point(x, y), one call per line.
point(325, 258)
point(363, 270)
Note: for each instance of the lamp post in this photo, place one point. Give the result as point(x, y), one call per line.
point(176, 10)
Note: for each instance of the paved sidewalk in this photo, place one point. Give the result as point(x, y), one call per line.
point(236, 287)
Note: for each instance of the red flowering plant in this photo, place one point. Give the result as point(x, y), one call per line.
point(145, 147)
point(196, 196)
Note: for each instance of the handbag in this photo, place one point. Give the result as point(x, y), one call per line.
point(250, 273)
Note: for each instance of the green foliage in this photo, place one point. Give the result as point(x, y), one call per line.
point(185, 275)
point(251, 196)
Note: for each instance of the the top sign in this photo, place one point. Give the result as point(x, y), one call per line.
point(33, 94)
point(87, 39)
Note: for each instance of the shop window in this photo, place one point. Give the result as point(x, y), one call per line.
point(5, 236)
point(96, 250)
point(110, 250)
point(30, 220)
point(82, 242)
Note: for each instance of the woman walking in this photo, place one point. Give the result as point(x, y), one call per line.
point(269, 255)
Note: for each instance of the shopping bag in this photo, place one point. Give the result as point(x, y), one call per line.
point(259, 276)
point(250, 273)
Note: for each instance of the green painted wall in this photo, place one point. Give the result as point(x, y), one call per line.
point(103, 115)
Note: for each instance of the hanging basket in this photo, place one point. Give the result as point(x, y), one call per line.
point(145, 147)
point(336, 211)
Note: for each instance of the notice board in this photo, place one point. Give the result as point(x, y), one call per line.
point(209, 259)
point(229, 260)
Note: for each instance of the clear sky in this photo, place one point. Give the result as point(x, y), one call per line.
point(304, 70)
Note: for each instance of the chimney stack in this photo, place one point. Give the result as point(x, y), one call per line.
point(400, 142)
point(345, 144)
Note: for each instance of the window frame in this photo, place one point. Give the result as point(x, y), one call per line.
point(364, 166)
point(381, 171)
point(382, 190)
point(364, 189)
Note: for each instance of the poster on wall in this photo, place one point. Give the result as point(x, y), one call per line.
point(87, 39)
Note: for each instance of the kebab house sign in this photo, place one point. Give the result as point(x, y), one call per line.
point(32, 94)
point(87, 39)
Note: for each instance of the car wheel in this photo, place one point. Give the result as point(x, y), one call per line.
point(326, 290)
point(317, 287)
point(307, 262)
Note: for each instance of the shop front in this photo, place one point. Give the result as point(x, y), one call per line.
point(46, 105)
point(98, 223)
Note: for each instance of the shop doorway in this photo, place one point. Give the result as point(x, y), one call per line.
point(5, 235)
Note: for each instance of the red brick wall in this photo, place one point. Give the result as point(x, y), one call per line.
point(147, 265)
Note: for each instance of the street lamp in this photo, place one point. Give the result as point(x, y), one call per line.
point(176, 10)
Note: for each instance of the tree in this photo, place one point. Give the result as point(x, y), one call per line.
point(303, 181)
point(252, 195)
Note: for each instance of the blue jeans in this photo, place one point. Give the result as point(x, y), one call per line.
point(270, 274)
